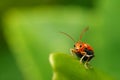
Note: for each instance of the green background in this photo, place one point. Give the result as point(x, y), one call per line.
point(29, 32)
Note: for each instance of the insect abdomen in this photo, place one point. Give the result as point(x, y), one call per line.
point(89, 52)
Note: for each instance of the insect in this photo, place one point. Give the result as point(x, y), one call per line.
point(81, 49)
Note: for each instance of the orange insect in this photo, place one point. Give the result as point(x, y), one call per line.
point(82, 50)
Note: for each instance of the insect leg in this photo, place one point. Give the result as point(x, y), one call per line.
point(84, 54)
point(89, 55)
point(72, 51)
point(86, 63)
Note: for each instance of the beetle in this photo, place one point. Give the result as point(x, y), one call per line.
point(81, 49)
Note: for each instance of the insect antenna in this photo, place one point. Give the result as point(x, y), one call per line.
point(68, 36)
point(83, 31)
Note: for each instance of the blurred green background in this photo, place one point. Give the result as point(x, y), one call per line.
point(29, 32)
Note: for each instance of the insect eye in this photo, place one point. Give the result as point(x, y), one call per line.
point(74, 45)
point(80, 45)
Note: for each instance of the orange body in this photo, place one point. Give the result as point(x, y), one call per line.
point(80, 46)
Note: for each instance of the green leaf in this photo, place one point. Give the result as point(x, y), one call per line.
point(67, 67)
